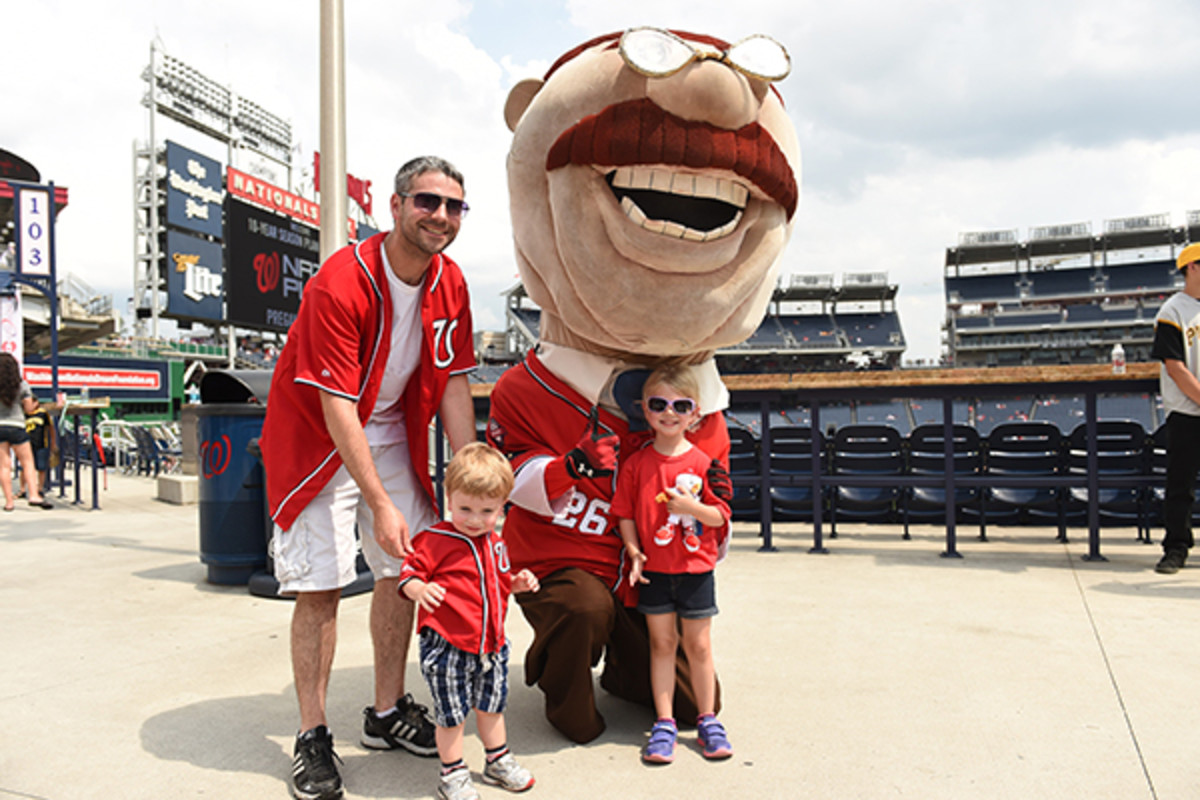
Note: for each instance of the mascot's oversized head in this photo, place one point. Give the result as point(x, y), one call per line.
point(653, 178)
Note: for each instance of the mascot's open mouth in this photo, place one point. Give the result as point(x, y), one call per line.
point(698, 208)
point(636, 145)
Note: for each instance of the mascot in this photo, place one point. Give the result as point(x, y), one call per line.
point(653, 181)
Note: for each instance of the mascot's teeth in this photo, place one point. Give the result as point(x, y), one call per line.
point(680, 184)
point(674, 229)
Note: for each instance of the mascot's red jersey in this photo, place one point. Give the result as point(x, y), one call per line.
point(477, 577)
point(340, 344)
point(535, 416)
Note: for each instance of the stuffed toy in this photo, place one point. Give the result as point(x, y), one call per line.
point(653, 183)
point(683, 524)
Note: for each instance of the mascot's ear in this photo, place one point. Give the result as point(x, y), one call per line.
point(519, 99)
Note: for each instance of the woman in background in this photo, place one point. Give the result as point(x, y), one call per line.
point(14, 437)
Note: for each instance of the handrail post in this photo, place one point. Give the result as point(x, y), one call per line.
point(818, 496)
point(948, 468)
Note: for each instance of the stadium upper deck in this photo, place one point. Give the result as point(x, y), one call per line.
point(1063, 296)
point(810, 324)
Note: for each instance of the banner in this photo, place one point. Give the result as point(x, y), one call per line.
point(12, 327)
point(35, 254)
point(194, 193)
point(195, 279)
point(261, 193)
point(104, 377)
point(271, 259)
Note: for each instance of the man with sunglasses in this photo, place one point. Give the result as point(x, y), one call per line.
point(382, 342)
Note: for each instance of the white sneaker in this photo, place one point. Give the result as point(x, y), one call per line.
point(457, 786)
point(506, 773)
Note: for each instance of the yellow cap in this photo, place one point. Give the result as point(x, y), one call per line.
point(1187, 255)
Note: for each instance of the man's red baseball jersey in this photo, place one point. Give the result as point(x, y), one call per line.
point(340, 344)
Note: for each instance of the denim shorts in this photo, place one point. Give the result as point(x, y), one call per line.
point(460, 681)
point(14, 434)
point(689, 596)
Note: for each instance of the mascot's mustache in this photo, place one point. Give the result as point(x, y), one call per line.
point(640, 132)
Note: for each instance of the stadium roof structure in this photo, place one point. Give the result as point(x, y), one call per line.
point(865, 286)
point(1126, 233)
point(856, 287)
point(801, 288)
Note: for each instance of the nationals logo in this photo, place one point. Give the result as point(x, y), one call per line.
point(214, 456)
point(266, 266)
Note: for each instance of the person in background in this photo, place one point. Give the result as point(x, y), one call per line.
point(40, 428)
point(1177, 346)
point(14, 439)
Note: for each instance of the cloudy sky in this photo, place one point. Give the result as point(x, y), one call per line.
point(918, 119)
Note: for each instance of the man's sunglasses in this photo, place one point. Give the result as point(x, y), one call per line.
point(681, 405)
point(429, 203)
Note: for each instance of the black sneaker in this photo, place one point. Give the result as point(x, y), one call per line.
point(409, 726)
point(1171, 562)
point(314, 773)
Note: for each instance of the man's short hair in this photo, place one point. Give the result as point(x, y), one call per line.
point(480, 470)
point(422, 164)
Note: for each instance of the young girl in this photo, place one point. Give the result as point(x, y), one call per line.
point(674, 529)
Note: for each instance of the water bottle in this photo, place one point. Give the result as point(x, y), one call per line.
point(1118, 359)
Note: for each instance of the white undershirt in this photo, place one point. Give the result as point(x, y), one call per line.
point(386, 424)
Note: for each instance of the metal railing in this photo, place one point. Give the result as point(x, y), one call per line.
point(946, 385)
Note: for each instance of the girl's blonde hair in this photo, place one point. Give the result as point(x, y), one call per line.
point(479, 470)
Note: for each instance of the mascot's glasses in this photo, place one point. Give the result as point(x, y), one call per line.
point(657, 53)
point(681, 405)
point(429, 203)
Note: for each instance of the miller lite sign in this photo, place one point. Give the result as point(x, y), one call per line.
point(195, 278)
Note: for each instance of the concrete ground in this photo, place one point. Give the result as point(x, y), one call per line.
point(877, 670)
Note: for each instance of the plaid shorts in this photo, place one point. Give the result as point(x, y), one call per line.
point(460, 681)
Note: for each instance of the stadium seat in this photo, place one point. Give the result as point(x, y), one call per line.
point(791, 472)
point(865, 450)
point(1023, 450)
point(745, 470)
point(927, 456)
point(1120, 451)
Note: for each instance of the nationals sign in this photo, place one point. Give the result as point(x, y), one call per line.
point(250, 188)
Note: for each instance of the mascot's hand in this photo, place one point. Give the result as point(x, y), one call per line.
point(719, 481)
point(595, 456)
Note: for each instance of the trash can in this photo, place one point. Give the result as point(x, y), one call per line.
point(231, 412)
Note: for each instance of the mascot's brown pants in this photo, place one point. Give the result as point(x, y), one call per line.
point(575, 619)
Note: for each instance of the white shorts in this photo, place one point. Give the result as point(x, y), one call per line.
point(319, 551)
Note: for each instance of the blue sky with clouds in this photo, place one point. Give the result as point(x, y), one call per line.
point(918, 119)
